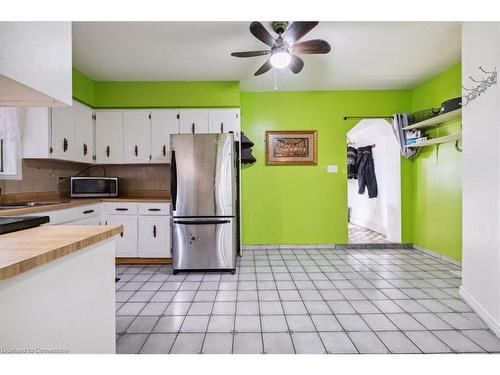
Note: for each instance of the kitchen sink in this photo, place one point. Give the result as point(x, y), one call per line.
point(13, 205)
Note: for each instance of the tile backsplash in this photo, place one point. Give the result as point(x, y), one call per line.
point(137, 178)
point(44, 176)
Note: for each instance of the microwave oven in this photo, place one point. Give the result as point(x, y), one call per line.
point(86, 187)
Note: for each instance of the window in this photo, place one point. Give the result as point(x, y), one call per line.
point(10, 144)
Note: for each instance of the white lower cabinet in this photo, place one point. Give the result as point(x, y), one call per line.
point(126, 243)
point(154, 237)
point(146, 228)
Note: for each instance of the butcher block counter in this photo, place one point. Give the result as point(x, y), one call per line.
point(57, 289)
point(24, 250)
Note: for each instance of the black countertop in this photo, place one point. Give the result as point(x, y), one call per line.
point(14, 223)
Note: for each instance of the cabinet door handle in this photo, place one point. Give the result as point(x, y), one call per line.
point(65, 145)
point(222, 127)
point(88, 211)
point(164, 150)
point(108, 151)
point(136, 150)
point(1, 155)
point(154, 231)
point(121, 209)
point(85, 149)
point(154, 209)
point(192, 127)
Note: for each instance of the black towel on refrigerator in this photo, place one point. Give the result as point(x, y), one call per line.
point(366, 172)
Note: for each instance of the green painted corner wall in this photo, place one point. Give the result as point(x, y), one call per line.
point(303, 204)
point(83, 88)
point(432, 188)
point(155, 94)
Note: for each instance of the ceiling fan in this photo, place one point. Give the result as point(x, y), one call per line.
point(286, 47)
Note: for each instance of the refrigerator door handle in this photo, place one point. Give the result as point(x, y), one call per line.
point(202, 222)
point(173, 180)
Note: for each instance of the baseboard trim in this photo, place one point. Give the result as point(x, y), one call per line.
point(371, 246)
point(483, 314)
point(288, 246)
point(142, 261)
point(435, 254)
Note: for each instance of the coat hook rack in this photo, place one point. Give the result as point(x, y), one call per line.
point(481, 87)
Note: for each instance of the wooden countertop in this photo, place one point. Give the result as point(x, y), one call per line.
point(30, 248)
point(78, 202)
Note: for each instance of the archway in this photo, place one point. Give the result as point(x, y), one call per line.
point(382, 214)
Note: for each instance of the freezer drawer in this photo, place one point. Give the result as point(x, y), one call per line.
point(203, 244)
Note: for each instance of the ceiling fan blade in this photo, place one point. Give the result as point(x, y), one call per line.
point(250, 53)
point(311, 47)
point(264, 68)
point(296, 64)
point(261, 33)
point(298, 29)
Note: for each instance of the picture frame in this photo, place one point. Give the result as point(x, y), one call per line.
point(291, 147)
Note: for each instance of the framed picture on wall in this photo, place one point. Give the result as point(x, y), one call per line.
point(294, 147)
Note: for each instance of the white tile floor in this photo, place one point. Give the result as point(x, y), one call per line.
point(359, 234)
point(301, 301)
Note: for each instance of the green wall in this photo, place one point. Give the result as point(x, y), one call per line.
point(155, 94)
point(83, 88)
point(436, 175)
point(303, 204)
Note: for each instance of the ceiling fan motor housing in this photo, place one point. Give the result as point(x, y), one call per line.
point(279, 27)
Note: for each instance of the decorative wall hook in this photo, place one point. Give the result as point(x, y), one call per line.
point(481, 86)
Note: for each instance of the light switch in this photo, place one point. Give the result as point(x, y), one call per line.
point(331, 169)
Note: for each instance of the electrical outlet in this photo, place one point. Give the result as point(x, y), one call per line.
point(331, 169)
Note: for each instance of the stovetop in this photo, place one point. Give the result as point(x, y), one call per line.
point(15, 223)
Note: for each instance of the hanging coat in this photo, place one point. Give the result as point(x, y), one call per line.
point(366, 172)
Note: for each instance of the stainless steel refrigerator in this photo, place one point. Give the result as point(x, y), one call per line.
point(204, 186)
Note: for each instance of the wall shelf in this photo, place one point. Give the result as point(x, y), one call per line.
point(437, 120)
point(437, 141)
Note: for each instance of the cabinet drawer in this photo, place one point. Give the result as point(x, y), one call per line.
point(154, 209)
point(84, 212)
point(120, 208)
point(57, 216)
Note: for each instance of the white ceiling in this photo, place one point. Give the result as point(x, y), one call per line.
point(365, 55)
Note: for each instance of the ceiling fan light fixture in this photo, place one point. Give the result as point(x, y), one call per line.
point(280, 59)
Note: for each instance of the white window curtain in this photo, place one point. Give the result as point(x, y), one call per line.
point(10, 137)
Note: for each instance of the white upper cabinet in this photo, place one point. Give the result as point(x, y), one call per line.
point(224, 121)
point(193, 121)
point(116, 136)
point(136, 137)
point(83, 144)
point(109, 137)
point(163, 123)
point(63, 133)
point(10, 143)
point(35, 64)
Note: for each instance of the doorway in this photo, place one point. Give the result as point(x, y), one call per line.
point(376, 219)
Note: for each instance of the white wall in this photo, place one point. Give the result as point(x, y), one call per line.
point(381, 214)
point(481, 176)
point(35, 64)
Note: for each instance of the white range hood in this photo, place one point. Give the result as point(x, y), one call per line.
point(35, 64)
